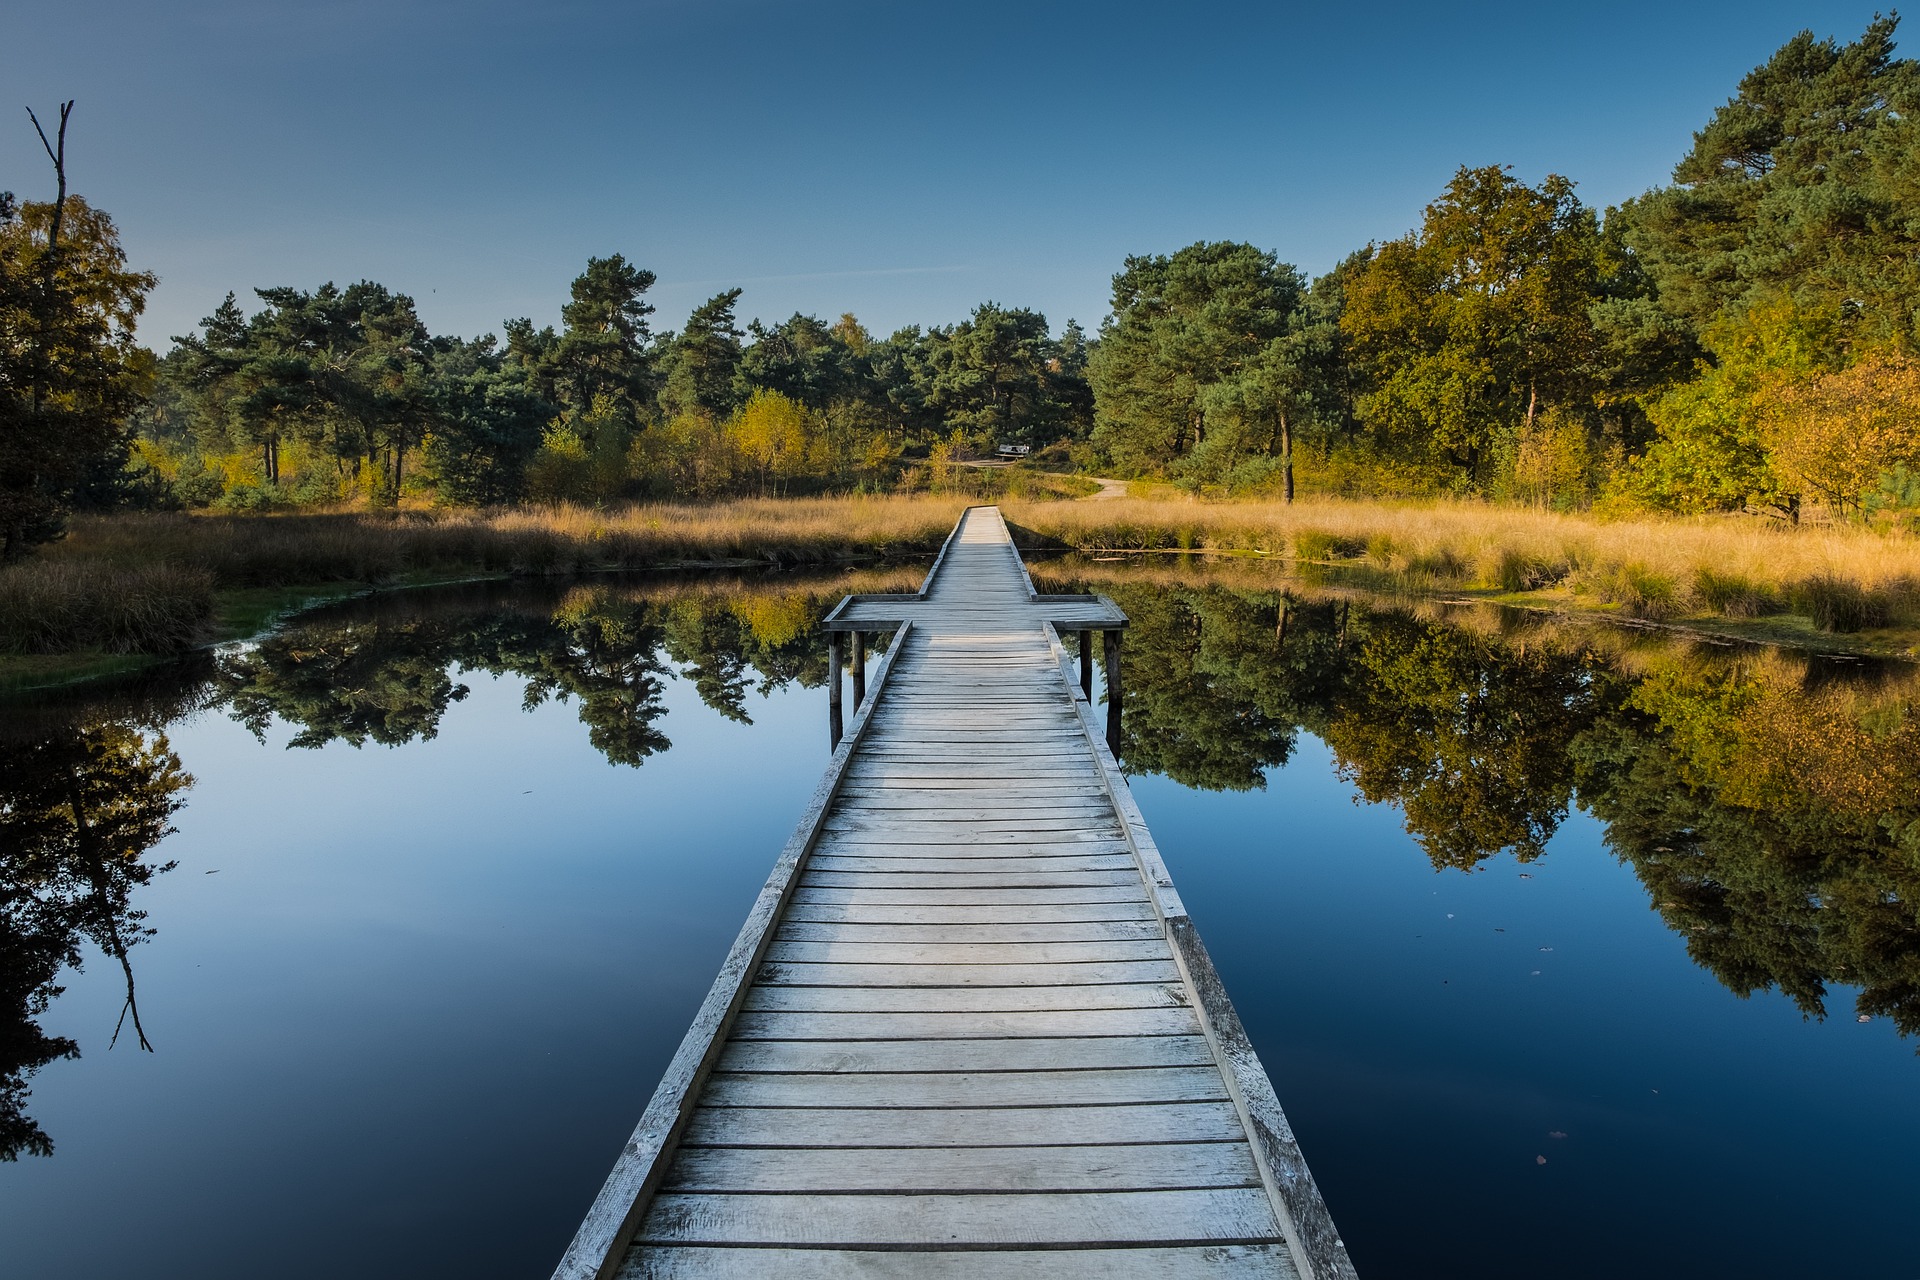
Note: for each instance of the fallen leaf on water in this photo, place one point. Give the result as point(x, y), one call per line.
point(1539, 1159)
point(1449, 915)
point(1498, 929)
point(1526, 875)
point(1546, 948)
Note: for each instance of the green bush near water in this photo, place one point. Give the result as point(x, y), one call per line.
point(1835, 604)
point(1733, 596)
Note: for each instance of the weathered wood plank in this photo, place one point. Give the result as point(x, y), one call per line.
point(965, 999)
point(1236, 1215)
point(898, 953)
point(837, 895)
point(962, 1126)
point(970, 914)
point(1214, 1262)
point(856, 844)
point(1163, 1167)
point(1082, 931)
point(1101, 1086)
point(967, 975)
point(978, 863)
point(1047, 878)
point(919, 1024)
point(1053, 1052)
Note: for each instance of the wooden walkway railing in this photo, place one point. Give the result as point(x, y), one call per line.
point(968, 1028)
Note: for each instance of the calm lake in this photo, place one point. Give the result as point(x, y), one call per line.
point(1572, 951)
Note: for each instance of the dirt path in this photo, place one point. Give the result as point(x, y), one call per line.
point(1108, 489)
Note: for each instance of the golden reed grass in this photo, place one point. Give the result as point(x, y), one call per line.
point(71, 595)
point(1846, 578)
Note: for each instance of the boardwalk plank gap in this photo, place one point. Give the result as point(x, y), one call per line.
point(968, 1029)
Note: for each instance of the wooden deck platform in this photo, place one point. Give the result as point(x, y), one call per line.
point(968, 1029)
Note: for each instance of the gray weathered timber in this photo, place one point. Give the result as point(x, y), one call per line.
point(968, 1029)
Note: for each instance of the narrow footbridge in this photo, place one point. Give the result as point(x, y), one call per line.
point(968, 1029)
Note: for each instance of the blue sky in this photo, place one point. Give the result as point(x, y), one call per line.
point(903, 161)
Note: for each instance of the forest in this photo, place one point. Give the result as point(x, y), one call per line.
point(1742, 339)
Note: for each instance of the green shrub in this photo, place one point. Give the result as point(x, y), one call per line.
point(1441, 564)
point(1638, 590)
point(251, 497)
point(1733, 596)
point(1318, 544)
point(1836, 604)
point(1515, 571)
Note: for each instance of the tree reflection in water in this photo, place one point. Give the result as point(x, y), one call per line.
point(79, 810)
point(1770, 804)
point(84, 796)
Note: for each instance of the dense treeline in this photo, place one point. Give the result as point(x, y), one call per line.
point(1744, 338)
point(342, 393)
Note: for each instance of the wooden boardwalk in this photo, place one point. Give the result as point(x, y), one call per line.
point(968, 1029)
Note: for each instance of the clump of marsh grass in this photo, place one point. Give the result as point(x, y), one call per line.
point(1324, 544)
point(54, 607)
point(1835, 604)
point(1514, 570)
point(1638, 590)
point(1438, 565)
point(1733, 595)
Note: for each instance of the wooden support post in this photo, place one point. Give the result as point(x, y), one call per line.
point(834, 725)
point(859, 668)
point(1113, 691)
point(1086, 665)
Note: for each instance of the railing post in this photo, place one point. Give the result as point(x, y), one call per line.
point(1086, 666)
point(859, 668)
point(1113, 691)
point(834, 727)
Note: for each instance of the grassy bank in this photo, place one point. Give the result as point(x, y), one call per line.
point(158, 583)
point(1743, 576)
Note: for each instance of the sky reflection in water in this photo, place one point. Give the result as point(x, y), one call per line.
point(406, 1002)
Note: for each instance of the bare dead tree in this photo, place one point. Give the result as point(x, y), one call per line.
point(56, 152)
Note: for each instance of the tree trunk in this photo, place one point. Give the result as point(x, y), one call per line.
point(1286, 459)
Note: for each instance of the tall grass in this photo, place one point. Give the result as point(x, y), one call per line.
point(146, 582)
point(1733, 566)
point(53, 607)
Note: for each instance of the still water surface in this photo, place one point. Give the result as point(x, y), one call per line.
point(454, 869)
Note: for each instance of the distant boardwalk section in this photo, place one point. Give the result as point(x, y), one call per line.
point(968, 1029)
